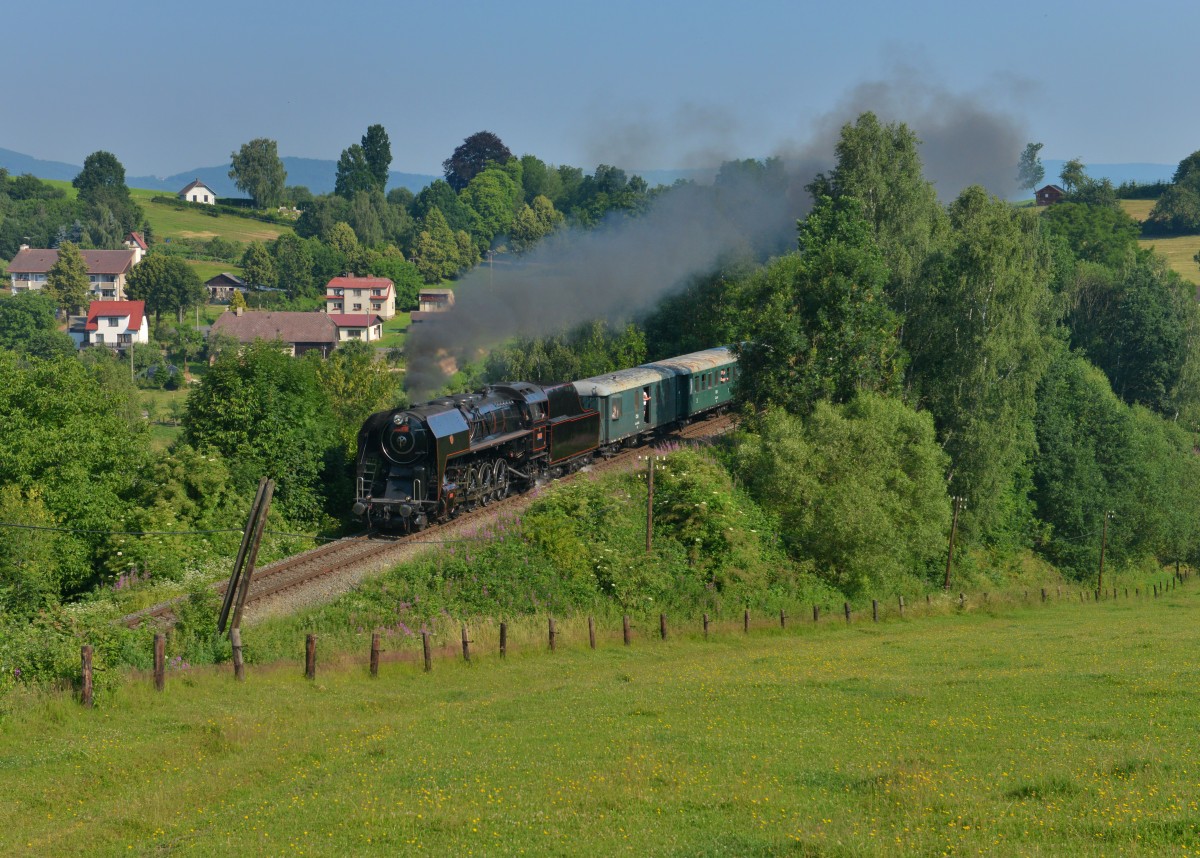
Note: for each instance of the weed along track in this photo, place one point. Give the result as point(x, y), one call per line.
point(331, 569)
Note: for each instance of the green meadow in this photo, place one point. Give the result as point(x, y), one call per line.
point(1024, 729)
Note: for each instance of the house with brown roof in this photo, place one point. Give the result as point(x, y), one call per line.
point(222, 287)
point(435, 300)
point(357, 326)
point(298, 332)
point(116, 324)
point(352, 294)
point(107, 270)
point(198, 192)
point(137, 244)
point(1048, 195)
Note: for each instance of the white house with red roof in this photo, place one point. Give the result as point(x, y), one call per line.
point(198, 192)
point(367, 327)
point(137, 244)
point(116, 324)
point(107, 270)
point(359, 295)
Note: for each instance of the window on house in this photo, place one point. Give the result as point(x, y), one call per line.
point(206, 198)
point(113, 321)
point(358, 306)
point(356, 334)
point(99, 337)
point(124, 338)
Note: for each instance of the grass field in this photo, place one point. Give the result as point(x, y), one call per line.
point(1067, 729)
point(1179, 251)
point(395, 331)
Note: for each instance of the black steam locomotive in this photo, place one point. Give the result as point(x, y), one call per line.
point(431, 461)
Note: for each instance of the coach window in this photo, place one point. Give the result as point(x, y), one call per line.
point(616, 409)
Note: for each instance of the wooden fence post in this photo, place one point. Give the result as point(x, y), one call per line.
point(160, 662)
point(425, 649)
point(375, 654)
point(85, 660)
point(625, 628)
point(662, 626)
point(310, 656)
point(552, 634)
point(846, 606)
point(1043, 595)
point(1058, 592)
point(902, 607)
point(746, 621)
point(782, 619)
point(239, 668)
point(591, 632)
point(874, 610)
point(816, 613)
point(985, 598)
point(706, 626)
point(962, 601)
point(466, 645)
point(503, 639)
point(927, 601)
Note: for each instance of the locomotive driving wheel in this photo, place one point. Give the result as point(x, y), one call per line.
point(486, 486)
point(472, 493)
point(500, 478)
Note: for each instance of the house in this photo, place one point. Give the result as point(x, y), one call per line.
point(107, 270)
point(300, 332)
point(357, 326)
point(435, 300)
point(116, 324)
point(352, 294)
point(198, 192)
point(137, 244)
point(1049, 195)
point(222, 287)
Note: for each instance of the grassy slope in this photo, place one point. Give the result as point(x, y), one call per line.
point(1179, 250)
point(1058, 730)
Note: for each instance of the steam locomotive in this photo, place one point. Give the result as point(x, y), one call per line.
point(427, 463)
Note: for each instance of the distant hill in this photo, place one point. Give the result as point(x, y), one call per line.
point(1143, 174)
point(315, 174)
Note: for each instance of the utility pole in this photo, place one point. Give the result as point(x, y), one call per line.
point(959, 503)
point(1103, 546)
point(132, 376)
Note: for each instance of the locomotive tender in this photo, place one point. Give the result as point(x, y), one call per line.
point(426, 463)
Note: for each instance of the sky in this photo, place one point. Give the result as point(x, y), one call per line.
point(643, 85)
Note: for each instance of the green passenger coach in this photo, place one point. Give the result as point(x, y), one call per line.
point(634, 403)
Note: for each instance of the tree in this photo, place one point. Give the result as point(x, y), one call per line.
point(356, 386)
point(436, 253)
point(68, 279)
point(820, 324)
point(101, 172)
point(111, 211)
point(1030, 171)
point(494, 197)
point(533, 223)
point(166, 284)
point(538, 179)
point(293, 265)
point(1073, 176)
point(353, 172)
point(438, 194)
point(979, 336)
point(28, 325)
point(1102, 234)
point(858, 490)
point(258, 268)
point(343, 239)
point(257, 170)
point(378, 151)
point(472, 156)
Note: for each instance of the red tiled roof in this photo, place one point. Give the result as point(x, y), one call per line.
point(135, 310)
point(37, 261)
point(136, 238)
point(289, 326)
point(355, 320)
point(360, 283)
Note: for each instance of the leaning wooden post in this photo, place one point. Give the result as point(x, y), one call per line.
point(706, 626)
point(591, 632)
point(310, 656)
point(466, 645)
point(875, 610)
point(503, 639)
point(160, 662)
point(239, 668)
point(625, 628)
point(425, 650)
point(846, 606)
point(662, 626)
point(85, 659)
point(552, 634)
point(375, 654)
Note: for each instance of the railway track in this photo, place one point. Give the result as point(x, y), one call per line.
point(354, 553)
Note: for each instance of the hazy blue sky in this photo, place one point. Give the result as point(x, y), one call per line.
point(171, 86)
